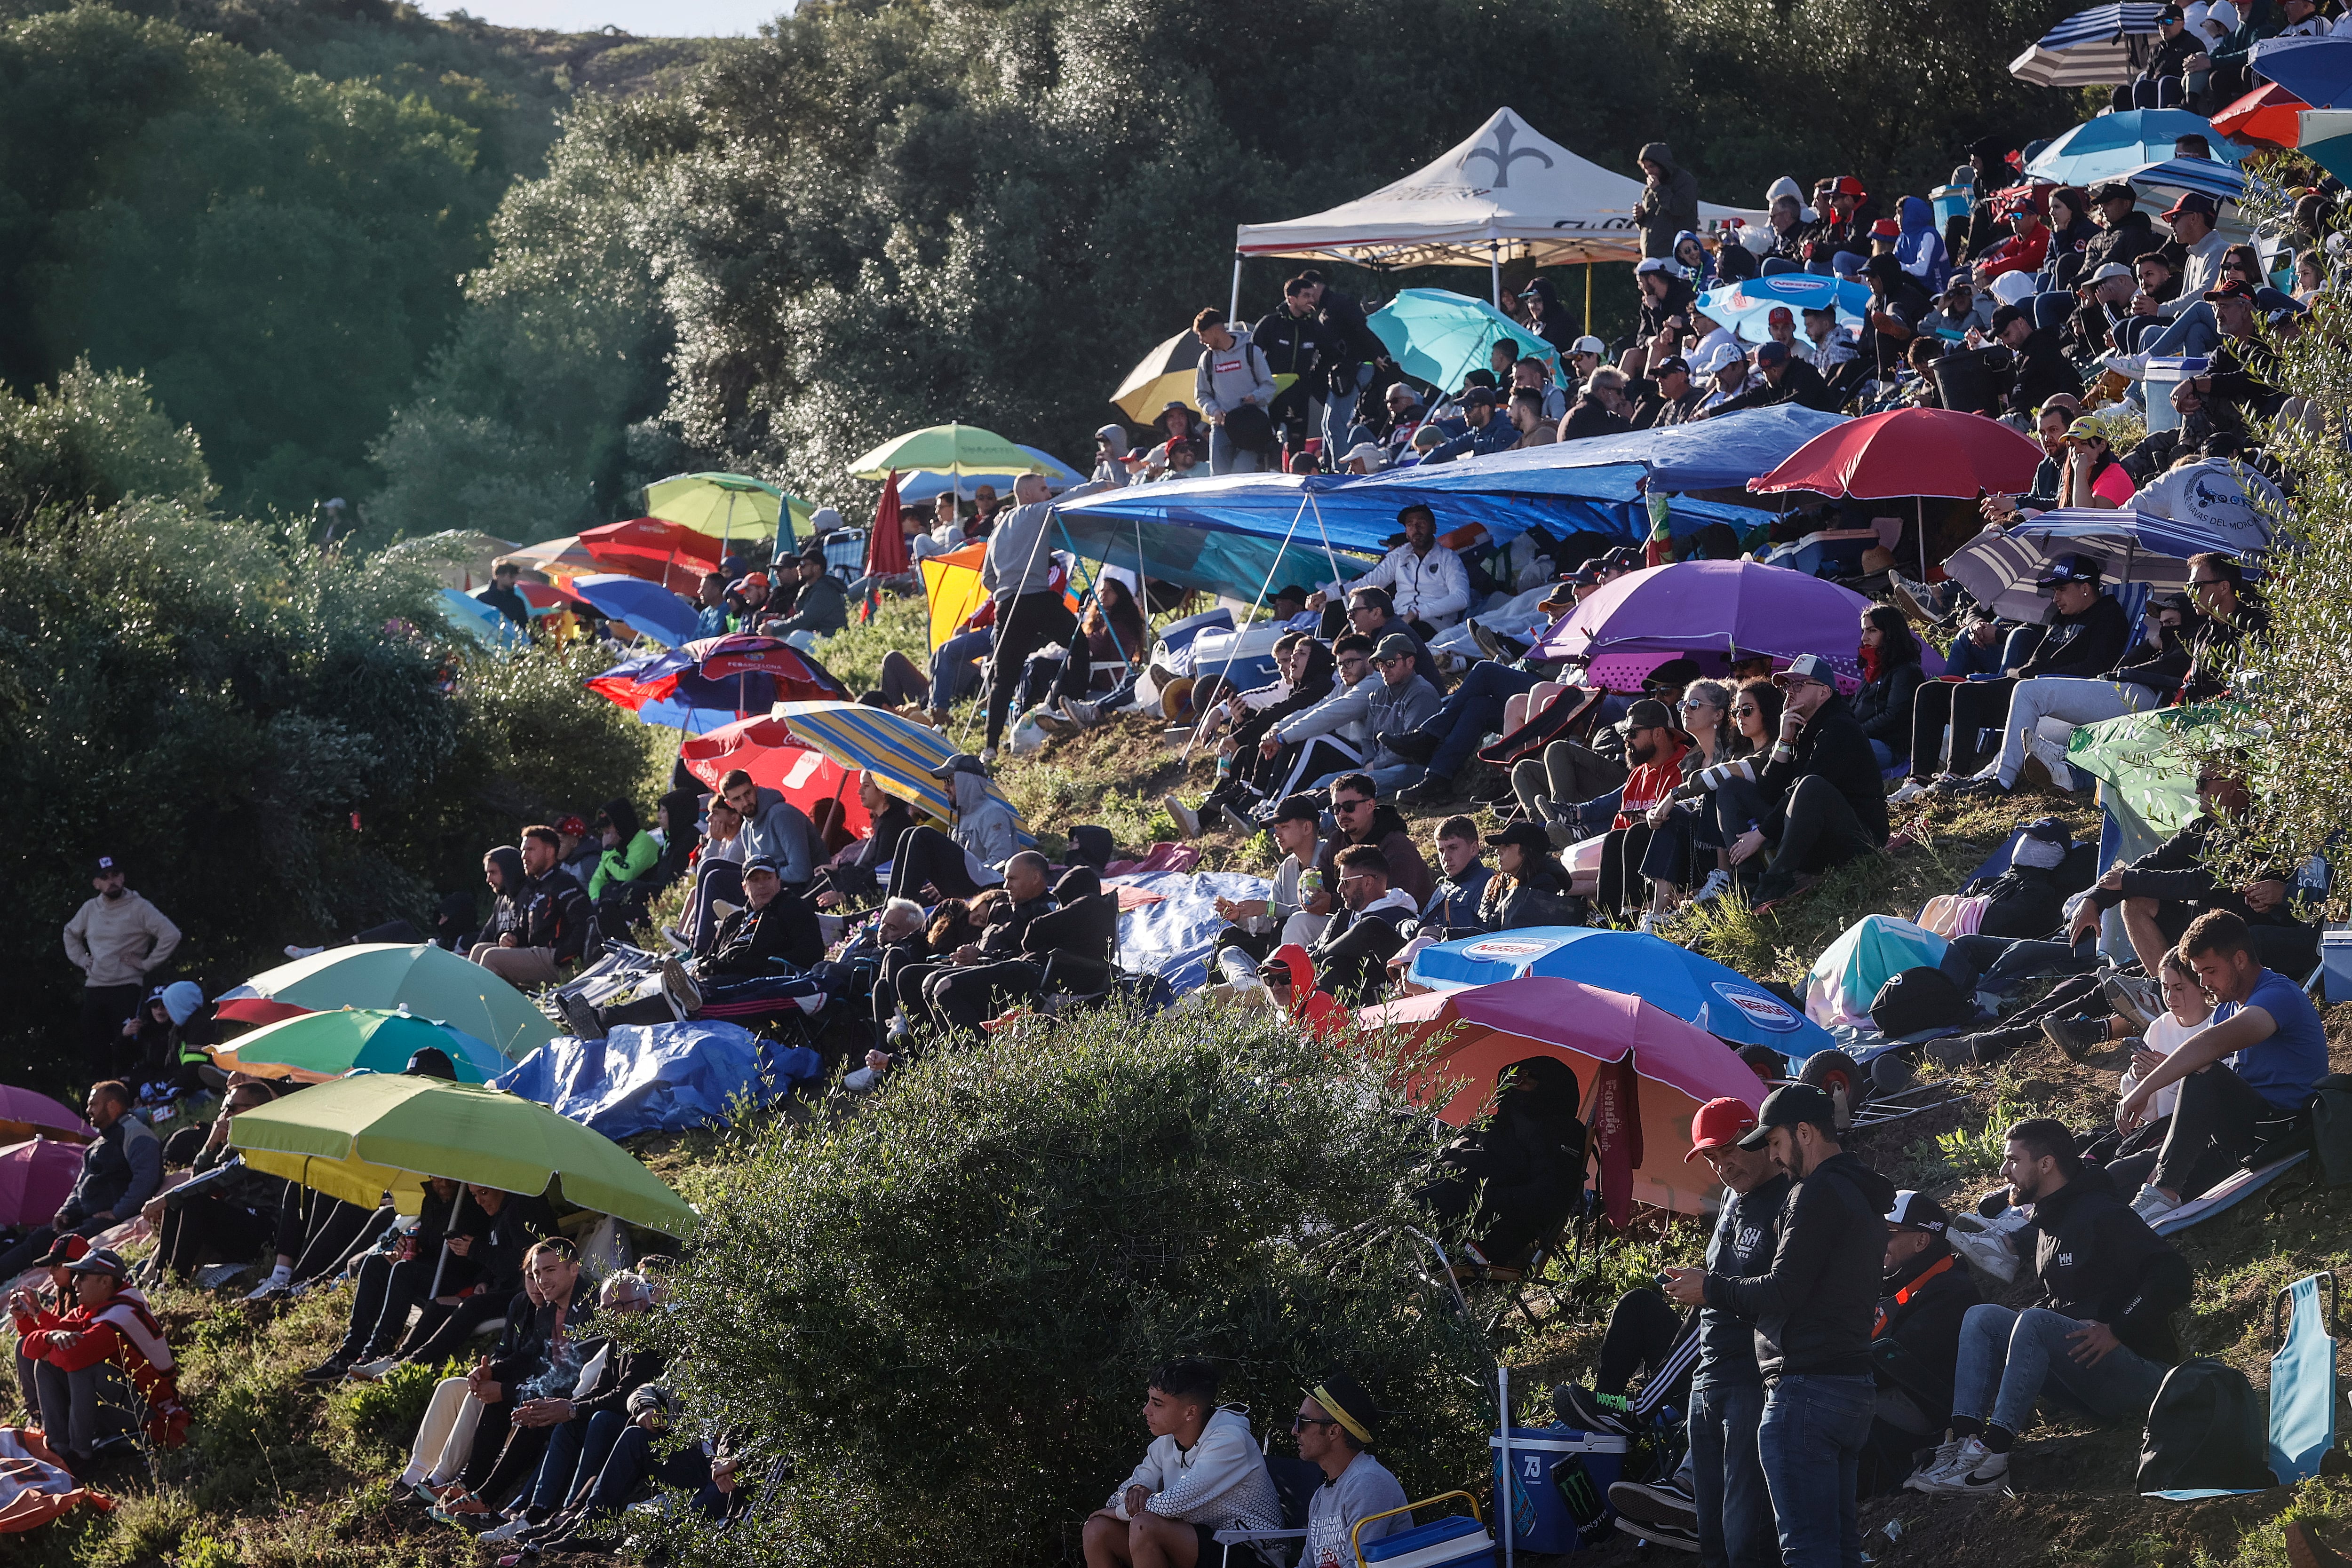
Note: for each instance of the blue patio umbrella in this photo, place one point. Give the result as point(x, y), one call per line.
point(2113, 145)
point(2103, 46)
point(647, 606)
point(1673, 980)
point(1747, 307)
point(1439, 336)
point(924, 486)
point(2317, 70)
point(485, 623)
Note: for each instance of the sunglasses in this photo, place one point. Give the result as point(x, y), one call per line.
point(1348, 805)
point(1300, 1422)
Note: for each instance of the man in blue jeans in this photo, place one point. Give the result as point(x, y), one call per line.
point(1813, 1308)
point(2099, 1336)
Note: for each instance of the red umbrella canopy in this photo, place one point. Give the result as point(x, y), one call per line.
point(1909, 452)
point(2270, 116)
point(655, 550)
point(1487, 1027)
point(886, 547)
point(776, 759)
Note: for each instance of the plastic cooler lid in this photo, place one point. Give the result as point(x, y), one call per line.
point(1560, 1440)
point(1456, 1539)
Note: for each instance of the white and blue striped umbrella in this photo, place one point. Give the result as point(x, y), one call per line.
point(2103, 46)
point(2164, 183)
point(1999, 566)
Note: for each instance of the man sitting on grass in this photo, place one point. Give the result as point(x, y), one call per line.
point(1203, 1473)
point(84, 1358)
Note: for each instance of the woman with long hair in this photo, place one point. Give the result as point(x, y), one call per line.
point(1891, 673)
point(2093, 476)
point(1667, 860)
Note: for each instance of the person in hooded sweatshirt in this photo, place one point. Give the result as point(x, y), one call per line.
point(1669, 203)
point(1691, 255)
point(1365, 932)
point(1515, 1177)
point(1920, 248)
point(1915, 1343)
point(1813, 1310)
point(1202, 1474)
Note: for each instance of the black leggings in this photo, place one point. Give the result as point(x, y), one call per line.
point(211, 1230)
point(1643, 1327)
point(1024, 624)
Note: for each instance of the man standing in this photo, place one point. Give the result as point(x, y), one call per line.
point(1017, 572)
point(116, 940)
point(504, 597)
point(1232, 373)
point(1813, 1311)
point(1669, 203)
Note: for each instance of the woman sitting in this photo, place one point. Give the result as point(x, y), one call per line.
point(2093, 478)
point(854, 873)
point(1517, 1176)
point(1891, 673)
point(1716, 801)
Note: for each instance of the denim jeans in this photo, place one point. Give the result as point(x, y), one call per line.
point(1387, 781)
point(2193, 331)
point(1339, 412)
point(2067, 698)
point(955, 665)
point(1810, 1444)
point(1471, 711)
point(1735, 1508)
point(1224, 457)
point(575, 1452)
point(2008, 1359)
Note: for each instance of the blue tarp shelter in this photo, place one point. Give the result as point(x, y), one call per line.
point(659, 1077)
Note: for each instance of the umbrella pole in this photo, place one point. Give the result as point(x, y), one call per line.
point(1921, 501)
point(1588, 299)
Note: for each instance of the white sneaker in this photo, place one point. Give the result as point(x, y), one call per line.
point(861, 1082)
point(2152, 1206)
point(1648, 921)
point(1945, 1452)
point(2131, 367)
point(1718, 884)
point(988, 756)
point(1985, 1474)
point(375, 1370)
point(1083, 715)
point(274, 1285)
point(509, 1530)
point(1910, 790)
point(1964, 1457)
point(1188, 821)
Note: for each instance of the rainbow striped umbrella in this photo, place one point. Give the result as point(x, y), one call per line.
point(898, 752)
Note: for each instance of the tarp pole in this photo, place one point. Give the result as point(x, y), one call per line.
point(1234, 310)
point(1094, 587)
point(1330, 556)
point(1234, 651)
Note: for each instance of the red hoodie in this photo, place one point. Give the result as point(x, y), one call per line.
point(1651, 783)
point(124, 1333)
point(1319, 1013)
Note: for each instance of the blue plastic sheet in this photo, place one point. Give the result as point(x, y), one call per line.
point(1172, 938)
point(660, 1078)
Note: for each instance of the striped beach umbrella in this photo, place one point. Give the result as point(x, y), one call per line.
point(2103, 46)
point(899, 752)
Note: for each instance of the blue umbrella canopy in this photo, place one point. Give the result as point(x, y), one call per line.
point(1673, 980)
point(2113, 145)
point(2103, 46)
point(1747, 307)
point(1439, 336)
point(647, 606)
point(2317, 70)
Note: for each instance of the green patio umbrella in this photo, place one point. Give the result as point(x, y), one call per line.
point(317, 1047)
point(428, 981)
point(358, 1138)
point(725, 505)
point(952, 449)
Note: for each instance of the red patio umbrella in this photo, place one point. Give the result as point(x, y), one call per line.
point(655, 549)
point(886, 544)
point(1909, 453)
point(35, 1177)
point(1679, 1067)
point(776, 759)
point(2270, 116)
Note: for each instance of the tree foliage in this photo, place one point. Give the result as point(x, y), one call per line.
point(940, 1312)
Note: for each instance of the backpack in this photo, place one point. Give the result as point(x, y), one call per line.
point(1250, 427)
point(1919, 997)
point(2331, 1127)
point(2205, 1432)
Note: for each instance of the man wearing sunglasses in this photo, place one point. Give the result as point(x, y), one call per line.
point(1334, 1428)
point(1350, 958)
point(1828, 801)
point(1363, 820)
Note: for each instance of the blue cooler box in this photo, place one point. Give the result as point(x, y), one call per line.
point(1541, 1520)
point(1456, 1542)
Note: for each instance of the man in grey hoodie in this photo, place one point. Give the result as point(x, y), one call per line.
point(1232, 372)
point(1669, 203)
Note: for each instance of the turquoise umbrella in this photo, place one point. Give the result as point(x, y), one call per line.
point(2113, 145)
point(1439, 337)
point(1747, 307)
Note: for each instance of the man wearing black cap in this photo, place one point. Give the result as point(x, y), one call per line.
point(1915, 1340)
point(116, 939)
point(2125, 231)
point(1828, 801)
point(1813, 1308)
point(822, 606)
point(1488, 431)
point(2036, 364)
point(774, 938)
point(1528, 887)
point(1666, 396)
point(2087, 635)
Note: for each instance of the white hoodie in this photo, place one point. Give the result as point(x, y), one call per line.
point(1221, 1481)
point(1226, 376)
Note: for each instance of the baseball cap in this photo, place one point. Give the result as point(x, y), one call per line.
point(1780, 313)
point(1719, 1123)
point(1647, 713)
point(1806, 667)
point(2235, 289)
point(2067, 568)
point(2196, 202)
point(759, 577)
point(1395, 645)
point(1790, 1104)
point(1297, 809)
point(1715, 359)
point(2084, 427)
point(100, 1260)
point(1527, 835)
point(1375, 454)
point(1674, 364)
point(107, 865)
point(761, 863)
point(1656, 264)
point(2113, 190)
point(1772, 353)
point(1589, 344)
point(1886, 228)
point(1479, 394)
point(1587, 573)
point(1917, 1211)
point(67, 1248)
point(1847, 186)
point(960, 762)
point(572, 827)
point(2113, 269)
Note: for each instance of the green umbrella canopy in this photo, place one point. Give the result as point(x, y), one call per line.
point(315, 1047)
point(358, 1137)
point(428, 981)
point(725, 506)
point(944, 449)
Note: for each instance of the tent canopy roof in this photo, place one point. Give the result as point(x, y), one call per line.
point(1507, 192)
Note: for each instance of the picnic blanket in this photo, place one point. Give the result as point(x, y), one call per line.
point(1171, 937)
point(662, 1076)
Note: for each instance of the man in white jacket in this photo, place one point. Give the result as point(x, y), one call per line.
point(1426, 581)
point(1232, 372)
point(116, 940)
point(1202, 1474)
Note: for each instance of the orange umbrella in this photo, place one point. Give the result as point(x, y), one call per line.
point(1680, 1066)
point(2270, 116)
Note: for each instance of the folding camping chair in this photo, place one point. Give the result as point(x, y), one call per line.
point(2302, 1380)
point(1295, 1481)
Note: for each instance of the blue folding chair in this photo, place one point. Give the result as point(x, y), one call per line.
point(2302, 1380)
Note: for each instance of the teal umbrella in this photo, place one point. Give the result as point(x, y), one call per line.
point(2112, 145)
point(1439, 337)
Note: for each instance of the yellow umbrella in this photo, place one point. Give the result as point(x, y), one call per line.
point(725, 505)
point(1165, 376)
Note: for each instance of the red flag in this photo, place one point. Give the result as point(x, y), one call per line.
point(1616, 1124)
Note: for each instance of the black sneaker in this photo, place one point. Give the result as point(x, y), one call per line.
point(1579, 1406)
point(1239, 823)
point(1435, 789)
point(1665, 1535)
point(1665, 1503)
point(330, 1370)
point(585, 1025)
point(1957, 787)
point(1413, 745)
point(2084, 1039)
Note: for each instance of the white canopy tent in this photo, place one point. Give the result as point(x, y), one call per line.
point(1507, 192)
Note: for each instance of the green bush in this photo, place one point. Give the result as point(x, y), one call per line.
point(940, 1312)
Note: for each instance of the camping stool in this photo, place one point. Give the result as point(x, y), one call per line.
point(2302, 1382)
point(1451, 1541)
point(1295, 1481)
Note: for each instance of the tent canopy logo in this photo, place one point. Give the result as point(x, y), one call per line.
point(1502, 154)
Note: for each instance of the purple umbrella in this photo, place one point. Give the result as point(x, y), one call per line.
point(35, 1177)
point(1727, 609)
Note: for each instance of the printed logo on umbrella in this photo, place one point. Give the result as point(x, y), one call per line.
point(1786, 286)
point(1498, 948)
point(1763, 1008)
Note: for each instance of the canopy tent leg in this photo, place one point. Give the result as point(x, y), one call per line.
point(1242, 626)
point(1494, 270)
point(1588, 299)
point(1233, 310)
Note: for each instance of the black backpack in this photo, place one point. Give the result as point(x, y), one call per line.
point(2331, 1127)
point(2205, 1431)
point(1917, 999)
point(1250, 427)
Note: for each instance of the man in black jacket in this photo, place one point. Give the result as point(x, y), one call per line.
point(2099, 1335)
point(773, 941)
point(2036, 364)
point(1812, 1310)
point(1784, 378)
point(1915, 1344)
point(1828, 802)
point(553, 912)
point(2088, 634)
point(1025, 896)
point(1294, 343)
point(2125, 233)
